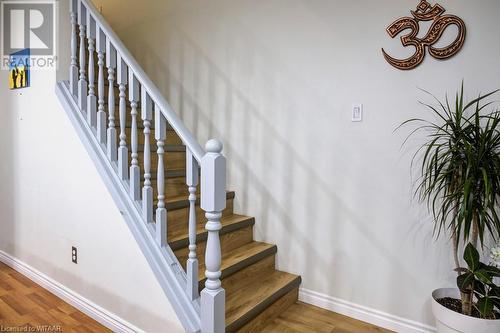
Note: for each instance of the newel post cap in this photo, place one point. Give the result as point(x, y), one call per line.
point(214, 146)
point(213, 178)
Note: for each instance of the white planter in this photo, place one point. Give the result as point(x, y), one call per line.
point(448, 321)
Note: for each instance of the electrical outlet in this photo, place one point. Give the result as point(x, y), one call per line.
point(74, 255)
point(357, 112)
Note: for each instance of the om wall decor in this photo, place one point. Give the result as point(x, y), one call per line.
point(426, 12)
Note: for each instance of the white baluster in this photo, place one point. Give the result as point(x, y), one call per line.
point(91, 98)
point(101, 115)
point(161, 211)
point(111, 64)
point(147, 190)
point(213, 202)
point(192, 262)
point(135, 173)
point(73, 69)
point(82, 82)
point(123, 150)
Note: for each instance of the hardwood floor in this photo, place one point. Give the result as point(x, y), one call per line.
point(304, 318)
point(26, 305)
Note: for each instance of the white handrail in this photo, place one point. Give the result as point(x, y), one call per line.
point(173, 119)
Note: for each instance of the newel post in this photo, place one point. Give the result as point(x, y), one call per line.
point(213, 202)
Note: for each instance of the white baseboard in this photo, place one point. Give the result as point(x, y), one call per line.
point(106, 318)
point(359, 312)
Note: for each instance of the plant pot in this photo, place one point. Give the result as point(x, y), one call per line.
point(449, 321)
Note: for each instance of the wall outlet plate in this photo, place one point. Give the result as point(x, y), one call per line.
point(357, 112)
point(74, 255)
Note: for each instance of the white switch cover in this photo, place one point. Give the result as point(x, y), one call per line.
point(357, 112)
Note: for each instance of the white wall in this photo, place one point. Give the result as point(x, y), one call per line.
point(52, 198)
point(275, 80)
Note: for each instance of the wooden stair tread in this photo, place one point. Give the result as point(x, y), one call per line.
point(181, 201)
point(179, 237)
point(243, 304)
point(167, 148)
point(241, 257)
point(174, 173)
point(128, 124)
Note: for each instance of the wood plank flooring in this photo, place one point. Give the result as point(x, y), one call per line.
point(305, 318)
point(25, 304)
point(28, 306)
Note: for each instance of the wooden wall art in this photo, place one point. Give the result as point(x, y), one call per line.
point(425, 12)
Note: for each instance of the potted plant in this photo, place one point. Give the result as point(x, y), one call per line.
point(460, 183)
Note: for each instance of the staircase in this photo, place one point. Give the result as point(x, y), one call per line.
point(152, 164)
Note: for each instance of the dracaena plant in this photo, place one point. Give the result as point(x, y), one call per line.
point(478, 280)
point(460, 171)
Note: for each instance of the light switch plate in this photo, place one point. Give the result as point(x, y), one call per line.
point(357, 112)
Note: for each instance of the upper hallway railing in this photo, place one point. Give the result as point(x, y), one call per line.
point(93, 39)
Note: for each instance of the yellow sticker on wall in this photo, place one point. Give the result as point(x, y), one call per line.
point(19, 73)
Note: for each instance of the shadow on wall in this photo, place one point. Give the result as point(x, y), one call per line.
point(198, 90)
